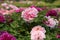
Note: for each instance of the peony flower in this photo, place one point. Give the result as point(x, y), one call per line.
point(6, 36)
point(2, 19)
point(6, 12)
point(19, 9)
point(11, 11)
point(51, 22)
point(29, 14)
point(7, 7)
point(39, 28)
point(3, 11)
point(57, 9)
point(13, 7)
point(51, 13)
point(4, 4)
point(39, 9)
point(38, 33)
point(58, 36)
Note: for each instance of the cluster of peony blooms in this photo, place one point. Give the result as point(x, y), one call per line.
point(7, 6)
point(28, 15)
point(38, 32)
point(9, 9)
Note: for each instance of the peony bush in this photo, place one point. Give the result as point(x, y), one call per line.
point(29, 23)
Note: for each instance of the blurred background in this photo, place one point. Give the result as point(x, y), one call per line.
point(23, 3)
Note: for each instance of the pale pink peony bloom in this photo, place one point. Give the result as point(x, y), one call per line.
point(38, 33)
point(11, 11)
point(51, 22)
point(4, 4)
point(39, 28)
point(29, 14)
point(7, 6)
point(2, 11)
point(13, 7)
point(6, 12)
point(57, 9)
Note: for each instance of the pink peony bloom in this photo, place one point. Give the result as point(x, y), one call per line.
point(29, 14)
point(13, 7)
point(3, 11)
point(38, 8)
point(4, 4)
point(57, 9)
point(38, 33)
point(11, 11)
point(17, 10)
point(51, 22)
point(6, 12)
point(20, 9)
point(39, 28)
point(58, 36)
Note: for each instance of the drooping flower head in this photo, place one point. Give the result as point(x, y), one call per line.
point(51, 22)
point(38, 33)
point(6, 36)
point(29, 14)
